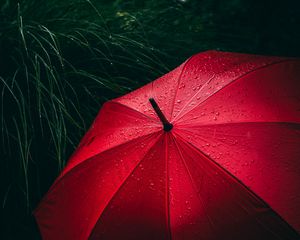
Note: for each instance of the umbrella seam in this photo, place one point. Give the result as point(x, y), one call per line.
point(188, 127)
point(209, 80)
point(111, 148)
point(167, 194)
point(60, 178)
point(108, 150)
point(128, 107)
point(253, 194)
point(123, 183)
point(274, 123)
point(239, 204)
point(211, 224)
point(230, 83)
point(178, 83)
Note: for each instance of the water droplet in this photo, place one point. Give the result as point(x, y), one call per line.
point(178, 101)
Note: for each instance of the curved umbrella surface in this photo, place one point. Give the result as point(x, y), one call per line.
point(228, 169)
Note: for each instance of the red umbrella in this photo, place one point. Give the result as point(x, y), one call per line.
point(208, 151)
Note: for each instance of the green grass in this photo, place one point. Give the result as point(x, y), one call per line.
point(60, 60)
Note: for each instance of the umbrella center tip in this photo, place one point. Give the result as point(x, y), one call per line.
point(168, 127)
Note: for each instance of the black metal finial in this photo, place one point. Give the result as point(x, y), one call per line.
point(167, 125)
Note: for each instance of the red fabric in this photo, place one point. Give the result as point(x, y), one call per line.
point(229, 168)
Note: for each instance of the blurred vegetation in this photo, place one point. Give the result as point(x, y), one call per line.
point(61, 59)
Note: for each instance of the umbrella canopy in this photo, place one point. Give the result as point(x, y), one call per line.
point(208, 151)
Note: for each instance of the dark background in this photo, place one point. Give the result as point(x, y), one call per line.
point(60, 60)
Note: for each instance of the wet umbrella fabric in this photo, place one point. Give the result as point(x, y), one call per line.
point(208, 151)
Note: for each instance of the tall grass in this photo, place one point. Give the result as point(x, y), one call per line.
point(58, 66)
point(61, 59)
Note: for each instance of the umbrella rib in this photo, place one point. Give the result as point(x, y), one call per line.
point(96, 155)
point(167, 193)
point(188, 126)
point(248, 190)
point(211, 224)
point(178, 83)
point(245, 209)
point(193, 97)
point(153, 119)
point(189, 130)
point(227, 85)
point(124, 182)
